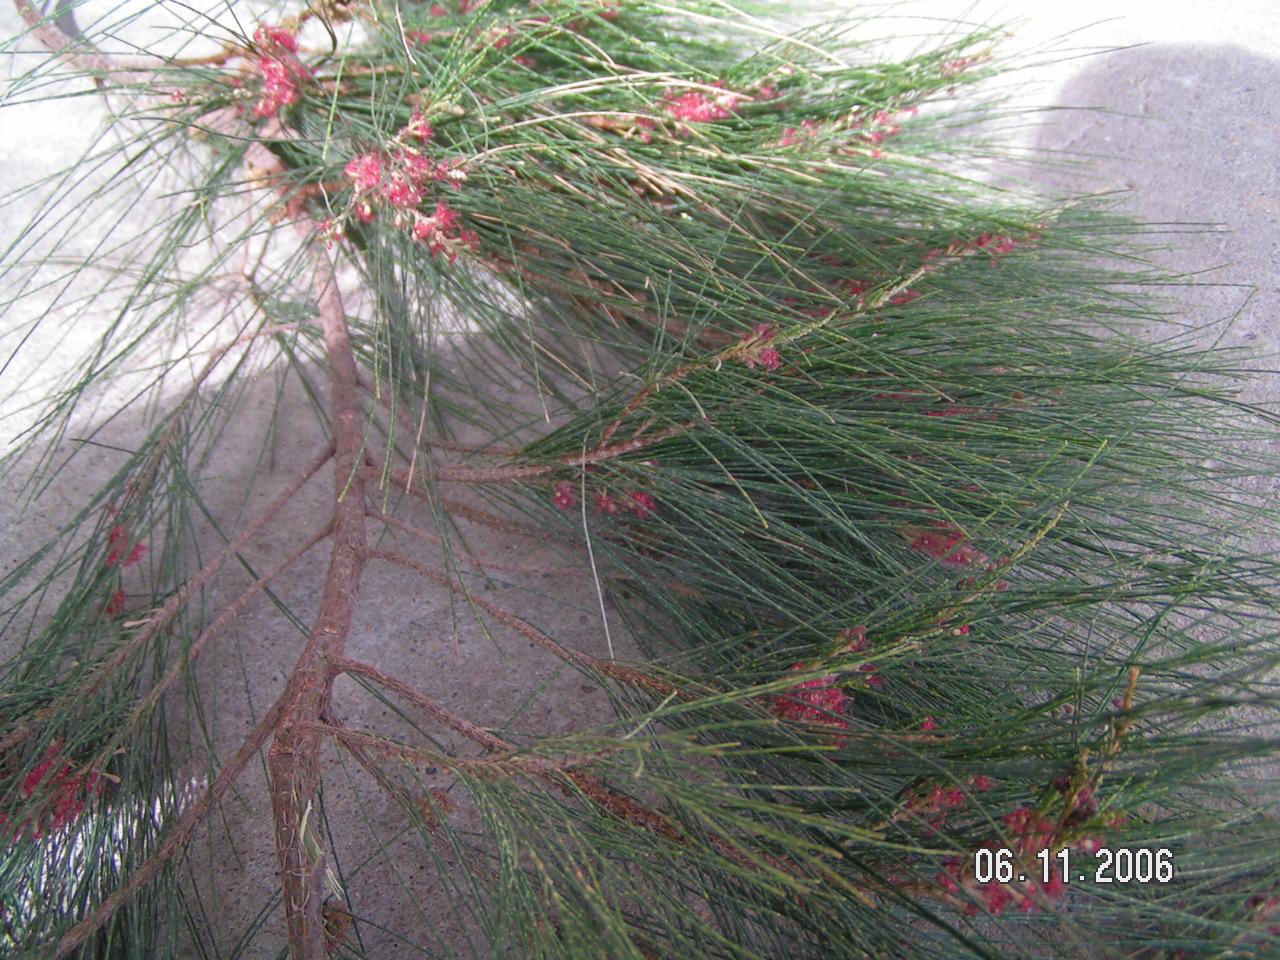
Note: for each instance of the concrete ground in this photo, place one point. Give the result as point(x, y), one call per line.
point(1184, 118)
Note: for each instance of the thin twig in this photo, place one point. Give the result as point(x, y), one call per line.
point(228, 613)
point(178, 837)
point(615, 671)
point(481, 565)
point(428, 706)
point(161, 618)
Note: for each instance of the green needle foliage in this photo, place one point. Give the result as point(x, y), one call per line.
point(938, 558)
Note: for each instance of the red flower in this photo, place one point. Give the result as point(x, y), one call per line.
point(281, 70)
point(117, 557)
point(403, 193)
point(946, 543)
point(275, 39)
point(756, 349)
point(817, 701)
point(606, 503)
point(642, 503)
point(365, 170)
point(694, 106)
point(904, 296)
point(418, 126)
point(442, 234)
point(115, 605)
point(564, 497)
point(62, 792)
point(807, 130)
point(928, 723)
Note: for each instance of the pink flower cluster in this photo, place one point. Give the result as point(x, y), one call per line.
point(282, 72)
point(1027, 833)
point(995, 244)
point(948, 543)
point(401, 180)
point(818, 701)
point(121, 554)
point(756, 349)
point(464, 6)
point(697, 106)
point(808, 130)
point(934, 803)
point(442, 233)
point(694, 106)
point(639, 502)
point(63, 793)
point(883, 126)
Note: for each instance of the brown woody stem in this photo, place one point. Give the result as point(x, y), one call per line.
point(294, 758)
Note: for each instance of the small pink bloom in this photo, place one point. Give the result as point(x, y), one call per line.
point(365, 170)
point(694, 106)
point(770, 359)
point(419, 127)
point(758, 352)
point(115, 605)
point(275, 38)
point(903, 296)
point(450, 172)
point(981, 783)
point(807, 130)
point(436, 10)
point(63, 791)
point(365, 212)
point(119, 556)
point(817, 701)
point(564, 497)
point(642, 503)
point(403, 193)
point(946, 543)
point(415, 166)
point(282, 73)
point(279, 87)
point(607, 504)
point(928, 723)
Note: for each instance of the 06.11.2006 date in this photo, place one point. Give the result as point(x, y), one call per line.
point(1105, 865)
